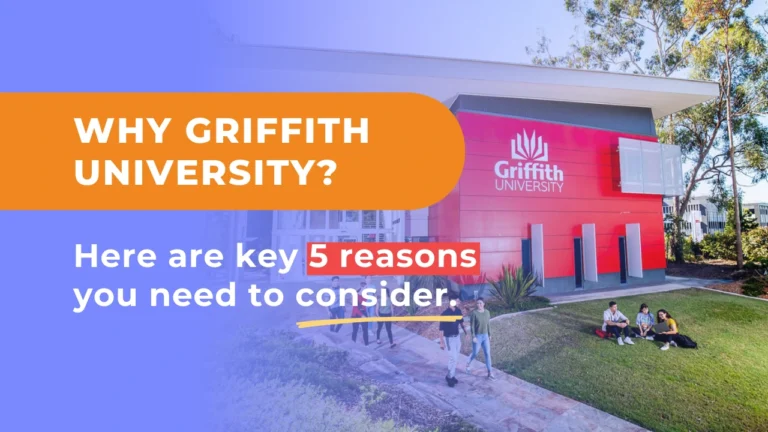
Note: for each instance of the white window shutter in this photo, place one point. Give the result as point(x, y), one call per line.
point(672, 160)
point(537, 251)
point(634, 251)
point(653, 180)
point(588, 233)
point(631, 165)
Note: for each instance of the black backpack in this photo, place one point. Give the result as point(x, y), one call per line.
point(684, 341)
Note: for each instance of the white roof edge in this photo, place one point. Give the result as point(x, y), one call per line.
point(445, 78)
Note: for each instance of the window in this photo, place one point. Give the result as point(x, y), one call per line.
point(369, 219)
point(422, 239)
point(291, 219)
point(334, 218)
point(317, 219)
point(351, 216)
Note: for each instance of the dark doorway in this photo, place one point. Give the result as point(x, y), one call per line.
point(623, 259)
point(527, 256)
point(578, 266)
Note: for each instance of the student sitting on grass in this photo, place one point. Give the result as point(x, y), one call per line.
point(668, 336)
point(645, 323)
point(616, 323)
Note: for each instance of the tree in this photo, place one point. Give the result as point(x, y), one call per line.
point(722, 198)
point(748, 221)
point(618, 33)
point(736, 47)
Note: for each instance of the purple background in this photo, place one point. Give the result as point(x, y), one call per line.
point(107, 368)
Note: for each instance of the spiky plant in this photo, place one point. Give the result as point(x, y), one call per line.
point(513, 285)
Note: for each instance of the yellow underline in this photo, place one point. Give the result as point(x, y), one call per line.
point(425, 318)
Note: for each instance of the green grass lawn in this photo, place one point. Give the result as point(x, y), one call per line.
point(722, 386)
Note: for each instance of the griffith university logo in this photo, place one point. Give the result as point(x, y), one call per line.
point(532, 174)
point(530, 149)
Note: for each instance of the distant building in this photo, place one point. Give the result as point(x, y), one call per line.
point(700, 218)
point(760, 210)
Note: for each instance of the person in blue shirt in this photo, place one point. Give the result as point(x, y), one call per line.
point(645, 323)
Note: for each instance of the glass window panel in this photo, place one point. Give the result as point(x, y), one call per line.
point(352, 216)
point(369, 219)
point(317, 219)
point(291, 219)
point(334, 218)
point(257, 223)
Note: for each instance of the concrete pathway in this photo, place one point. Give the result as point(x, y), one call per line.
point(674, 283)
point(418, 367)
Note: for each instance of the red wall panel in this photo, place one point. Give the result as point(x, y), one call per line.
point(485, 209)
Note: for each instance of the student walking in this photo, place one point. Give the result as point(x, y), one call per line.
point(336, 310)
point(360, 311)
point(480, 323)
point(370, 310)
point(450, 339)
point(386, 312)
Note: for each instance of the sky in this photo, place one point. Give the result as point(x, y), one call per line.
point(494, 30)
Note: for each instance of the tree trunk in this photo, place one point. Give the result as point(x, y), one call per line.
point(732, 151)
point(677, 233)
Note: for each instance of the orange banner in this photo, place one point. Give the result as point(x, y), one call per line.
point(215, 151)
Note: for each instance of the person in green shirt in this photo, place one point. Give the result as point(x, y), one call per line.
point(480, 323)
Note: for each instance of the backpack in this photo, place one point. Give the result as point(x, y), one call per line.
point(684, 341)
point(601, 334)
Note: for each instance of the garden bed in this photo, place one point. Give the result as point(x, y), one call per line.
point(277, 382)
point(733, 287)
point(709, 269)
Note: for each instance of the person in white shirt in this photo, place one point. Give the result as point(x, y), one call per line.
point(616, 323)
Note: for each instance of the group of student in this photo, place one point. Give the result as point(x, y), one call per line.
point(450, 337)
point(337, 311)
point(663, 328)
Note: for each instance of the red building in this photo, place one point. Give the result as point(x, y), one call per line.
point(563, 175)
point(565, 179)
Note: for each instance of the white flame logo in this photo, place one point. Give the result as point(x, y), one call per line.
point(532, 148)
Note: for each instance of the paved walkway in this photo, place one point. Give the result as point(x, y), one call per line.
point(418, 367)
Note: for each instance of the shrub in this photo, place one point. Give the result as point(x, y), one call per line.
point(756, 244)
point(285, 357)
point(513, 285)
point(412, 308)
point(691, 250)
point(719, 245)
point(429, 282)
point(755, 286)
point(469, 280)
point(432, 283)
